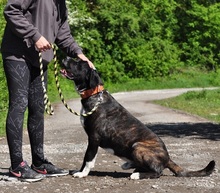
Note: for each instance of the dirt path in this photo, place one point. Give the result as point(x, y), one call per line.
point(191, 141)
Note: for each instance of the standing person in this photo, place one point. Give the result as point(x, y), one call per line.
point(31, 28)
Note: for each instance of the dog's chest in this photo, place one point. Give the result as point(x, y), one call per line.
point(82, 117)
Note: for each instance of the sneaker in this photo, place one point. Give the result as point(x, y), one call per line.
point(50, 170)
point(24, 173)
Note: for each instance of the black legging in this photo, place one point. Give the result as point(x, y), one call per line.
point(25, 90)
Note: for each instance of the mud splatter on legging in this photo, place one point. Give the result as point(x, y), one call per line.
point(25, 91)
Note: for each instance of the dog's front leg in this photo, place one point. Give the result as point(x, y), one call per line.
point(89, 160)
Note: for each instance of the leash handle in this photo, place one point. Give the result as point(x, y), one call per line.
point(47, 104)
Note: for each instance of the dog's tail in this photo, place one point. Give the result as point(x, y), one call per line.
point(180, 172)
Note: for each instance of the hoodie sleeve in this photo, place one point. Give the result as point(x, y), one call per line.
point(66, 42)
point(17, 22)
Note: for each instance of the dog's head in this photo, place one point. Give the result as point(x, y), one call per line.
point(80, 72)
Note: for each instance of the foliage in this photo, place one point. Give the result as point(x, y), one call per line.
point(199, 35)
point(134, 39)
point(140, 40)
point(3, 93)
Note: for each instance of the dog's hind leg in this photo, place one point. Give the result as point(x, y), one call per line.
point(143, 175)
point(89, 160)
point(149, 160)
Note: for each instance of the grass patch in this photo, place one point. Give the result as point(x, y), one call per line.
point(205, 103)
point(186, 78)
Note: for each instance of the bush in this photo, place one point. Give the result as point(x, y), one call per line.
point(129, 39)
point(3, 93)
point(139, 39)
point(198, 34)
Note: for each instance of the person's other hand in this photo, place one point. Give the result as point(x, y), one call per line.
point(84, 58)
point(42, 44)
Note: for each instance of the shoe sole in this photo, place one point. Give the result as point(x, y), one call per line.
point(26, 179)
point(57, 175)
point(30, 180)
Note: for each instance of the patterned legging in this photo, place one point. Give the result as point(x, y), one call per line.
point(25, 91)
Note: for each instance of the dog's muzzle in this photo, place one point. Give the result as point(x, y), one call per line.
point(66, 74)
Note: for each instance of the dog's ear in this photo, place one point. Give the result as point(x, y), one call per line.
point(95, 79)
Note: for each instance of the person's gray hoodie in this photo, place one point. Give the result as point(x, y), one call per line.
point(27, 21)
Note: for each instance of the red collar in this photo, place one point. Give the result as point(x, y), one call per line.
point(92, 91)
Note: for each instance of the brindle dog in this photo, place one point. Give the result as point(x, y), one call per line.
point(113, 128)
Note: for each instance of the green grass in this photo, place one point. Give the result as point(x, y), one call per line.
point(205, 103)
point(186, 78)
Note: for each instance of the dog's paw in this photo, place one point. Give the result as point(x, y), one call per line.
point(127, 166)
point(135, 176)
point(71, 172)
point(79, 175)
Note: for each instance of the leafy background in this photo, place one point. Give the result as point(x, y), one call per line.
point(139, 40)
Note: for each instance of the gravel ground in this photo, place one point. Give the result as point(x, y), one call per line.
point(191, 141)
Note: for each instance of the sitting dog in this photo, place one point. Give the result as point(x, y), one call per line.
point(114, 129)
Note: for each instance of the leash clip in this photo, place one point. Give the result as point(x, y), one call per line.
point(100, 99)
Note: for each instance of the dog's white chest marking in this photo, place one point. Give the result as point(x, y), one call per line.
point(81, 117)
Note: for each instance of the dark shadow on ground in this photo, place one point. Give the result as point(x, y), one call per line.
point(111, 174)
point(199, 130)
point(4, 171)
point(103, 174)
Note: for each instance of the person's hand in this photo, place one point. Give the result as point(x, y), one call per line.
point(84, 58)
point(42, 45)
